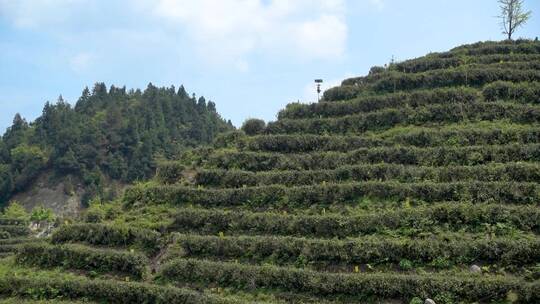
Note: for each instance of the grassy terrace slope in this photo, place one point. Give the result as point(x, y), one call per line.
point(420, 180)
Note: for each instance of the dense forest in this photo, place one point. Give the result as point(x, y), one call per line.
point(108, 134)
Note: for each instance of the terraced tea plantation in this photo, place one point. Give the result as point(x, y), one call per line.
point(13, 233)
point(418, 181)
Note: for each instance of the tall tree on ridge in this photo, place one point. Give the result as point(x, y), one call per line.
point(512, 16)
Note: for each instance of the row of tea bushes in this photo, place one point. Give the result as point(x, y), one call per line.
point(454, 248)
point(526, 47)
point(476, 77)
point(523, 92)
point(13, 221)
point(107, 235)
point(434, 63)
point(392, 81)
point(15, 230)
point(528, 92)
point(361, 286)
point(84, 258)
point(388, 118)
point(518, 172)
point(520, 46)
point(451, 216)
point(444, 77)
point(102, 291)
point(350, 193)
point(437, 156)
point(296, 143)
point(414, 99)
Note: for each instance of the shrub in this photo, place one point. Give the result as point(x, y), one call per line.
point(453, 216)
point(405, 264)
point(351, 193)
point(228, 139)
point(388, 118)
point(433, 156)
point(416, 300)
point(16, 211)
point(40, 213)
point(366, 250)
point(469, 135)
point(433, 62)
point(517, 172)
point(107, 291)
point(169, 172)
point(504, 90)
point(364, 286)
point(394, 81)
point(253, 126)
point(83, 258)
point(108, 235)
point(378, 102)
point(343, 92)
point(15, 230)
point(376, 70)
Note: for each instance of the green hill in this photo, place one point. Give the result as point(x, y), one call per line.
point(109, 137)
point(419, 180)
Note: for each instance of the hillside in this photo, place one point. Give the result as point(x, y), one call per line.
point(419, 180)
point(110, 137)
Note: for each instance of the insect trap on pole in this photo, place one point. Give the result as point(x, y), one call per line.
point(318, 82)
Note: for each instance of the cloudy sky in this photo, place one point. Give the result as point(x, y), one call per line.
point(251, 57)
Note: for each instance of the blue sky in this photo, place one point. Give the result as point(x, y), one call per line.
point(251, 57)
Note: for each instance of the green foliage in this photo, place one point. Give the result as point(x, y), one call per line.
point(405, 264)
point(99, 211)
point(342, 92)
point(379, 102)
point(105, 291)
point(461, 135)
point(169, 172)
point(518, 172)
point(26, 163)
point(467, 217)
point(427, 166)
point(434, 62)
point(432, 156)
point(15, 230)
point(253, 126)
point(528, 92)
point(401, 251)
point(41, 213)
point(6, 183)
point(388, 118)
point(107, 235)
point(83, 258)
point(416, 300)
point(384, 286)
point(16, 211)
point(110, 133)
point(346, 193)
point(441, 262)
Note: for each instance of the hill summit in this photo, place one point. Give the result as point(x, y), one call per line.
point(418, 181)
point(109, 138)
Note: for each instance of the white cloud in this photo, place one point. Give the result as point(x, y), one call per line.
point(221, 31)
point(233, 29)
point(33, 13)
point(81, 62)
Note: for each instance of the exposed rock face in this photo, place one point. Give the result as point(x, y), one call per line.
point(51, 195)
point(429, 301)
point(62, 195)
